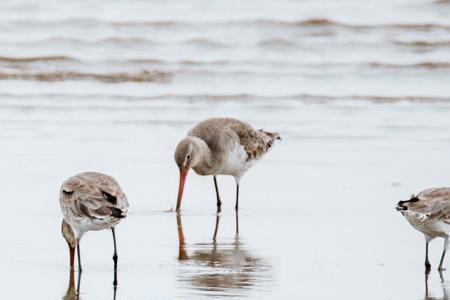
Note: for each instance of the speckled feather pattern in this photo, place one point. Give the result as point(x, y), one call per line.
point(91, 201)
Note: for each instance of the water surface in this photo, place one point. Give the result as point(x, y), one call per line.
point(358, 91)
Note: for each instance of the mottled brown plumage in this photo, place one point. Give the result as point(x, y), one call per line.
point(91, 201)
point(221, 146)
point(432, 204)
point(221, 135)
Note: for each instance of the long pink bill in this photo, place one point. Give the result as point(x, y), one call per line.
point(183, 174)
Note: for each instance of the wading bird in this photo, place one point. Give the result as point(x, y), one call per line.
point(429, 212)
point(90, 201)
point(221, 146)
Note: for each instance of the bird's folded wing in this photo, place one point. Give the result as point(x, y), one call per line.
point(91, 207)
point(434, 204)
point(255, 142)
point(96, 208)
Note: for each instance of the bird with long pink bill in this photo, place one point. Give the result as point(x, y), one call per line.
point(221, 146)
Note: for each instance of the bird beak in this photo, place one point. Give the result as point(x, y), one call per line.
point(183, 174)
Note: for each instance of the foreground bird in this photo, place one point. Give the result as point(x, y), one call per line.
point(90, 201)
point(429, 212)
point(221, 146)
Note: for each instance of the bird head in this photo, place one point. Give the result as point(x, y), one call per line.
point(187, 155)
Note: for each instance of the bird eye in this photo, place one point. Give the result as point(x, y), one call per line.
point(188, 156)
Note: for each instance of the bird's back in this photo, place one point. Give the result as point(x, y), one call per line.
point(92, 200)
point(222, 135)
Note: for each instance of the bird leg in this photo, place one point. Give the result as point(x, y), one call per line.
point(443, 255)
point(237, 197)
point(427, 262)
point(216, 228)
point(427, 273)
point(115, 257)
point(80, 269)
point(219, 203)
point(78, 285)
point(237, 224)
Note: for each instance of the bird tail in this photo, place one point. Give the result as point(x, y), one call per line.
point(272, 136)
point(268, 138)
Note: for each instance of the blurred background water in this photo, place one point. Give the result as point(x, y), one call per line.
point(358, 90)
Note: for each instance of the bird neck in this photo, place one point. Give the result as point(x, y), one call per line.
point(203, 165)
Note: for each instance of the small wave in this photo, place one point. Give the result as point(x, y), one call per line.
point(421, 65)
point(276, 43)
point(175, 24)
point(323, 22)
point(144, 76)
point(205, 43)
point(187, 62)
point(307, 23)
point(442, 1)
point(55, 98)
point(426, 44)
point(313, 98)
point(419, 27)
point(125, 41)
point(113, 41)
point(32, 59)
point(319, 22)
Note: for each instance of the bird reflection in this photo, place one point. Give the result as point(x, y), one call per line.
point(428, 295)
point(219, 267)
point(73, 291)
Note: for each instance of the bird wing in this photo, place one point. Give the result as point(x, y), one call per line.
point(433, 204)
point(255, 142)
point(84, 198)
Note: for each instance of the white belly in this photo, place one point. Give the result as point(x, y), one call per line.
point(236, 163)
point(83, 225)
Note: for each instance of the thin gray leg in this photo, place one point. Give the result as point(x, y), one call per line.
point(80, 269)
point(219, 203)
point(427, 262)
point(216, 229)
point(115, 257)
point(443, 254)
point(237, 197)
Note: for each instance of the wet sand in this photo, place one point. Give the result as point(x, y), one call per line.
point(317, 214)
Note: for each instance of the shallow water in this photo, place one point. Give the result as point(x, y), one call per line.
point(361, 100)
